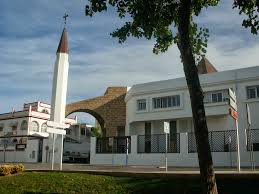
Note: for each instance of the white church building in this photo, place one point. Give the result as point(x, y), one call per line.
point(149, 105)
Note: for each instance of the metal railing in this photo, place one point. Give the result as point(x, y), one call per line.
point(113, 144)
point(156, 143)
point(252, 136)
point(220, 141)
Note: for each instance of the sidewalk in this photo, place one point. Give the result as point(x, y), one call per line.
point(140, 171)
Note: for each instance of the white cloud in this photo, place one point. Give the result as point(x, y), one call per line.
point(240, 57)
point(28, 47)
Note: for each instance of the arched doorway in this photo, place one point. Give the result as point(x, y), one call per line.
point(99, 121)
point(77, 142)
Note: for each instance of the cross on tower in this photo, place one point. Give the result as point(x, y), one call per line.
point(65, 18)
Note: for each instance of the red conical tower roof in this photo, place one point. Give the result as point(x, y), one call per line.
point(205, 66)
point(63, 43)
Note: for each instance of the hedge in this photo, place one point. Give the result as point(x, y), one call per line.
point(8, 169)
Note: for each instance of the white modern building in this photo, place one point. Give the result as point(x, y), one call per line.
point(77, 143)
point(23, 134)
point(149, 105)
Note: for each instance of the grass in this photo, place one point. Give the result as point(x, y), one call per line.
point(58, 182)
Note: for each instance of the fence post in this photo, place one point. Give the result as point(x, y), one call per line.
point(229, 149)
point(112, 150)
point(238, 151)
point(183, 143)
point(134, 144)
point(92, 149)
point(166, 136)
point(127, 150)
point(53, 152)
point(211, 141)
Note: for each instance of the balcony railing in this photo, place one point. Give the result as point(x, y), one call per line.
point(156, 143)
point(220, 141)
point(113, 144)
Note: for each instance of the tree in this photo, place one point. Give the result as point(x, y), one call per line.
point(168, 22)
point(96, 132)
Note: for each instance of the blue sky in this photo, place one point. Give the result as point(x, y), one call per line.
point(30, 32)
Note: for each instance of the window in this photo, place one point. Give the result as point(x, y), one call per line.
point(217, 97)
point(15, 141)
point(141, 104)
point(23, 140)
point(33, 153)
point(82, 131)
point(14, 127)
point(252, 92)
point(166, 102)
point(69, 131)
point(34, 126)
point(45, 111)
point(44, 127)
point(24, 125)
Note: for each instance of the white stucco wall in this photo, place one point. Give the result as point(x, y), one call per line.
point(182, 159)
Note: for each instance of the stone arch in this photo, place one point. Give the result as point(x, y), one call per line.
point(95, 115)
point(109, 109)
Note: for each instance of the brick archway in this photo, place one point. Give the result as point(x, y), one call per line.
point(109, 109)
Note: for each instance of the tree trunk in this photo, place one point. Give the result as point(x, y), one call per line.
point(207, 175)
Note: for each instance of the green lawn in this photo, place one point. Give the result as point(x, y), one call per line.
point(57, 182)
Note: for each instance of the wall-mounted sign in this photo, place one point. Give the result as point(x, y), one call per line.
point(21, 146)
point(110, 141)
point(233, 113)
point(166, 127)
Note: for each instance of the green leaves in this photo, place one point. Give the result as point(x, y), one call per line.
point(96, 6)
point(159, 19)
point(199, 39)
point(250, 8)
point(96, 132)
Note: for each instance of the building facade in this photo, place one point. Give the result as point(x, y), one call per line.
point(77, 143)
point(23, 134)
point(149, 105)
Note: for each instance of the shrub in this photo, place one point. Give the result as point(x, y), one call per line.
point(96, 132)
point(5, 170)
point(8, 169)
point(18, 168)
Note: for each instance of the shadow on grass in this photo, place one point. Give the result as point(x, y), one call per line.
point(31, 192)
point(39, 183)
point(161, 185)
point(189, 186)
point(28, 192)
